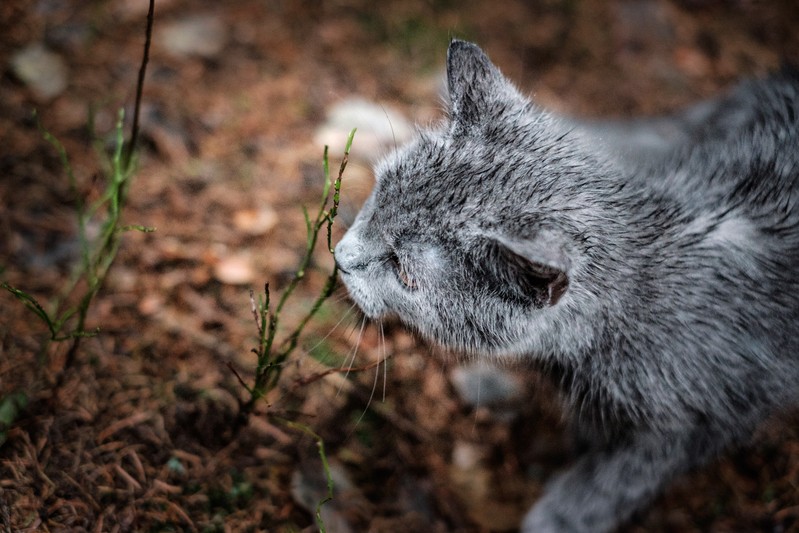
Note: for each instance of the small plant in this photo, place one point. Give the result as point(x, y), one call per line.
point(320, 446)
point(65, 315)
point(271, 357)
point(68, 321)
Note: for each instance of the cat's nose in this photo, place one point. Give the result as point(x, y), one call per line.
point(348, 254)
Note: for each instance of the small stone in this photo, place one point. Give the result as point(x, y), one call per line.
point(201, 35)
point(255, 221)
point(692, 62)
point(379, 128)
point(465, 455)
point(127, 10)
point(43, 71)
point(483, 384)
point(235, 270)
point(151, 304)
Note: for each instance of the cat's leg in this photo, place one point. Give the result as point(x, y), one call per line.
point(604, 488)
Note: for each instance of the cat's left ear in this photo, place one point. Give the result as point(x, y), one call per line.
point(473, 83)
point(538, 267)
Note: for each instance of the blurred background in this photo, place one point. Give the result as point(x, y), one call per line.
point(239, 100)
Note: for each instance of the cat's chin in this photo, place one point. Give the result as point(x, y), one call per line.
point(519, 351)
point(372, 309)
point(372, 312)
point(458, 349)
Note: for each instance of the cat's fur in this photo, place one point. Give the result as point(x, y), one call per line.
point(653, 274)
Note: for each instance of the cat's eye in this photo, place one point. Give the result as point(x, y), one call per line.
point(402, 275)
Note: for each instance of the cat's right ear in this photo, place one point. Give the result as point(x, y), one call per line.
point(537, 268)
point(473, 83)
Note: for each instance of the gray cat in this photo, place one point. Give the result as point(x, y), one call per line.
point(652, 270)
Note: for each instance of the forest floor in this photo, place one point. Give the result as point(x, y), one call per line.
point(137, 432)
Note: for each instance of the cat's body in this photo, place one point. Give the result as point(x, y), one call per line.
point(652, 271)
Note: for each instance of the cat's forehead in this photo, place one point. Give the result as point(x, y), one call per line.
point(426, 182)
point(432, 164)
point(423, 150)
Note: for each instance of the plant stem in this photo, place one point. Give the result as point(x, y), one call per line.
point(134, 132)
point(269, 364)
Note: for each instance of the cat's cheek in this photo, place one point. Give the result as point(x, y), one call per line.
point(362, 297)
point(377, 295)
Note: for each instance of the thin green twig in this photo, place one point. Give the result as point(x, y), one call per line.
point(270, 361)
point(320, 446)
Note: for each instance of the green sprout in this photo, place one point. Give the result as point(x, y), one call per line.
point(271, 357)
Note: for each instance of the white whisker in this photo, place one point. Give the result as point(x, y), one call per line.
point(371, 395)
point(340, 297)
point(345, 315)
point(477, 403)
point(390, 125)
point(350, 360)
point(385, 360)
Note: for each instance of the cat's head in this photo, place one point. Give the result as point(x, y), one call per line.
point(468, 235)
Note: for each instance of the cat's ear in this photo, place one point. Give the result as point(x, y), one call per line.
point(537, 268)
point(473, 82)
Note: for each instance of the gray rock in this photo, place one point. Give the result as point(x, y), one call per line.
point(379, 128)
point(43, 71)
point(199, 35)
point(481, 384)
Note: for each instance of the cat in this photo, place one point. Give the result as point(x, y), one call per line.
point(651, 269)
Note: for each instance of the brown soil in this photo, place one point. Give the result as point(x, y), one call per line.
point(139, 434)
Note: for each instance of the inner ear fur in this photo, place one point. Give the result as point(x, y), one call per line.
point(537, 268)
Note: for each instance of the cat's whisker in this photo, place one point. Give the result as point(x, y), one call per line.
point(390, 125)
point(341, 297)
point(479, 388)
point(382, 348)
point(353, 329)
point(371, 393)
point(345, 315)
point(350, 360)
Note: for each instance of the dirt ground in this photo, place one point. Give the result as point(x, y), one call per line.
point(136, 434)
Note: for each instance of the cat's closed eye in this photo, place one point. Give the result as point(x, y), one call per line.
point(405, 279)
